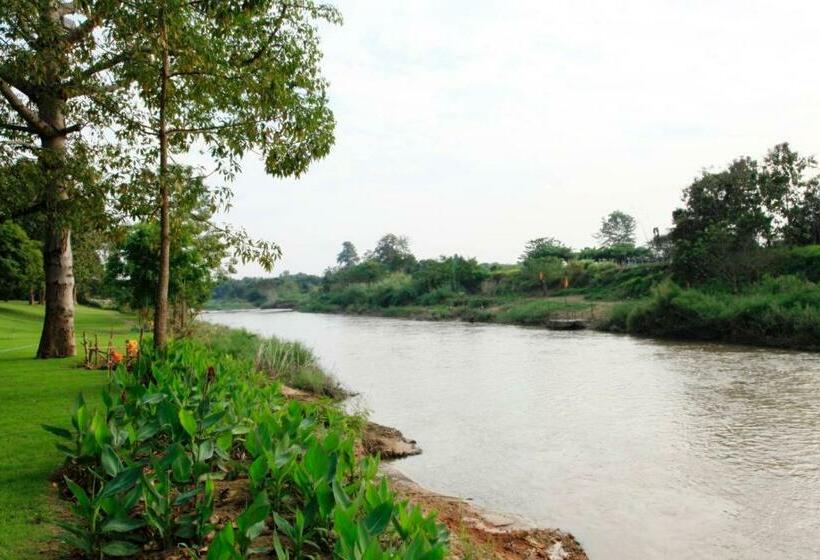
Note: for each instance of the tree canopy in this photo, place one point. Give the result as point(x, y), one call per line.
point(618, 228)
point(348, 256)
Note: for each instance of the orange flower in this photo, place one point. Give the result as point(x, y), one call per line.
point(131, 348)
point(115, 357)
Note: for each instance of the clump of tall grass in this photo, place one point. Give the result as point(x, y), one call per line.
point(291, 363)
point(295, 365)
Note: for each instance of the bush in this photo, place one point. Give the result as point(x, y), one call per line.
point(397, 289)
point(783, 311)
point(438, 296)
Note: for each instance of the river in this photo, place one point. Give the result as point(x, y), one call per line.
point(640, 448)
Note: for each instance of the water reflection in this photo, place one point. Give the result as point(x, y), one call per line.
point(643, 449)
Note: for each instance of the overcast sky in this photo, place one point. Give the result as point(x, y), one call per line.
point(473, 126)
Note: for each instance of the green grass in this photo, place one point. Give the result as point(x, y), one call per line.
point(35, 392)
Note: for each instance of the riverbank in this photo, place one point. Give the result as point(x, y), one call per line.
point(29, 504)
point(530, 311)
point(475, 533)
point(775, 313)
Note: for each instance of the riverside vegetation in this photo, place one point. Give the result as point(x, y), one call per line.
point(194, 452)
point(740, 264)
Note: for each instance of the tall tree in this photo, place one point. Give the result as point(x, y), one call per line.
point(545, 247)
point(233, 76)
point(348, 256)
point(393, 251)
point(724, 216)
point(55, 79)
point(790, 188)
point(618, 228)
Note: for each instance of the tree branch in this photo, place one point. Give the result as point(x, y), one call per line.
point(83, 30)
point(17, 127)
point(42, 127)
point(208, 128)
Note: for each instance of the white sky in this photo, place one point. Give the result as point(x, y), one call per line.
point(472, 126)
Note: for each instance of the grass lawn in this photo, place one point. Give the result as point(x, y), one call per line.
point(35, 392)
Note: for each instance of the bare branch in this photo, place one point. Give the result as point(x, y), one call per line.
point(42, 127)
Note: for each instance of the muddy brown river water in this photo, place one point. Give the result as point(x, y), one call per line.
point(640, 448)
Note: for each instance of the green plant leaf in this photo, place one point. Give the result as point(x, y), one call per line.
point(110, 462)
point(258, 470)
point(123, 481)
point(79, 494)
point(59, 432)
point(121, 548)
point(188, 421)
point(377, 520)
point(122, 525)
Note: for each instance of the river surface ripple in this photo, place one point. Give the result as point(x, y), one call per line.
point(640, 448)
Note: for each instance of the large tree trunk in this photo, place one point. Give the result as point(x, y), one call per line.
point(57, 338)
point(161, 303)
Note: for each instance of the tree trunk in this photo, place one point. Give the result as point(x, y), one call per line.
point(161, 303)
point(31, 295)
point(57, 338)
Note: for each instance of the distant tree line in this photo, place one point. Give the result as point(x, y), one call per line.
point(391, 275)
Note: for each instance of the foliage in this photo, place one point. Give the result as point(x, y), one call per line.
point(283, 291)
point(730, 214)
point(21, 262)
point(393, 252)
point(147, 464)
point(132, 268)
point(457, 273)
point(289, 362)
point(621, 253)
point(618, 228)
point(545, 247)
point(347, 256)
point(538, 312)
point(782, 311)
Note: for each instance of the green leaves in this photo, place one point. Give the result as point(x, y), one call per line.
point(121, 548)
point(155, 467)
point(123, 481)
point(376, 521)
point(59, 432)
point(110, 462)
point(188, 421)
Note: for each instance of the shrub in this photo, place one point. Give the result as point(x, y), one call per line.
point(782, 311)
